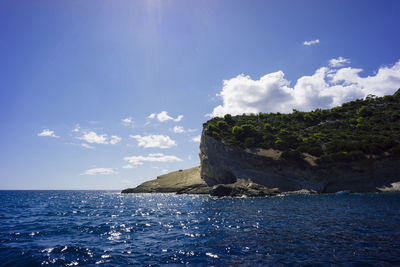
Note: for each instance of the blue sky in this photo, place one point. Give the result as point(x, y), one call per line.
point(79, 80)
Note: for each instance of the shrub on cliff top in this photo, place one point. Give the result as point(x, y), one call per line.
point(369, 126)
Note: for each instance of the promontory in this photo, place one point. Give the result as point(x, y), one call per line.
point(354, 147)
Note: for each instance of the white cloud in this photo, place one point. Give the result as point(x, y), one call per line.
point(180, 129)
point(163, 116)
point(244, 95)
point(134, 161)
point(76, 129)
point(92, 137)
point(196, 138)
point(115, 139)
point(316, 41)
point(326, 88)
point(179, 118)
point(47, 132)
point(127, 122)
point(96, 171)
point(87, 146)
point(155, 140)
point(338, 62)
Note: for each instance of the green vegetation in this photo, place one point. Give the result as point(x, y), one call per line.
point(356, 130)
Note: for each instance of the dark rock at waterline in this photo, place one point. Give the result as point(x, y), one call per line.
point(242, 188)
point(189, 182)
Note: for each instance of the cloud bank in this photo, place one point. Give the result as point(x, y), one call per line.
point(47, 132)
point(127, 122)
point(87, 146)
point(154, 140)
point(326, 88)
point(163, 116)
point(97, 171)
point(134, 161)
point(94, 138)
point(180, 129)
point(316, 41)
point(338, 62)
point(114, 139)
point(77, 128)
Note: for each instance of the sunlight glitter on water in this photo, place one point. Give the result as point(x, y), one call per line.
point(198, 230)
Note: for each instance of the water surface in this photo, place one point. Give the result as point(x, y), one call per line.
point(100, 227)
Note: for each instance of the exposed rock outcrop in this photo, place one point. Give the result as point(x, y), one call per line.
point(242, 188)
point(228, 170)
point(182, 181)
point(189, 182)
point(226, 164)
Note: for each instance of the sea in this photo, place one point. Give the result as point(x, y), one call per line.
point(72, 228)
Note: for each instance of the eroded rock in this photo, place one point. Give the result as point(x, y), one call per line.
point(222, 163)
point(242, 188)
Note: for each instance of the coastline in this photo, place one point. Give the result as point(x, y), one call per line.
point(189, 182)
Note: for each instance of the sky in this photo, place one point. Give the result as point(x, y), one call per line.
point(109, 94)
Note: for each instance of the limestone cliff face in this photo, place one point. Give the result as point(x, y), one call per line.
point(225, 164)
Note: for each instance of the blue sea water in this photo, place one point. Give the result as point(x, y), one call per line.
point(107, 228)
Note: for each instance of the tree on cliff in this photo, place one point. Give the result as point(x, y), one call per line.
point(355, 130)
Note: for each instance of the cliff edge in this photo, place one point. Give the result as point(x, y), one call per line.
point(354, 147)
point(223, 163)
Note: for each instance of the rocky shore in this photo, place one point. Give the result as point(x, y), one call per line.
point(189, 182)
point(222, 163)
point(227, 170)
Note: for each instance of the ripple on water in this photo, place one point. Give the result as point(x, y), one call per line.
point(88, 227)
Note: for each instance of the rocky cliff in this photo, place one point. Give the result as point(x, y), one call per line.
point(354, 147)
point(222, 163)
point(228, 170)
